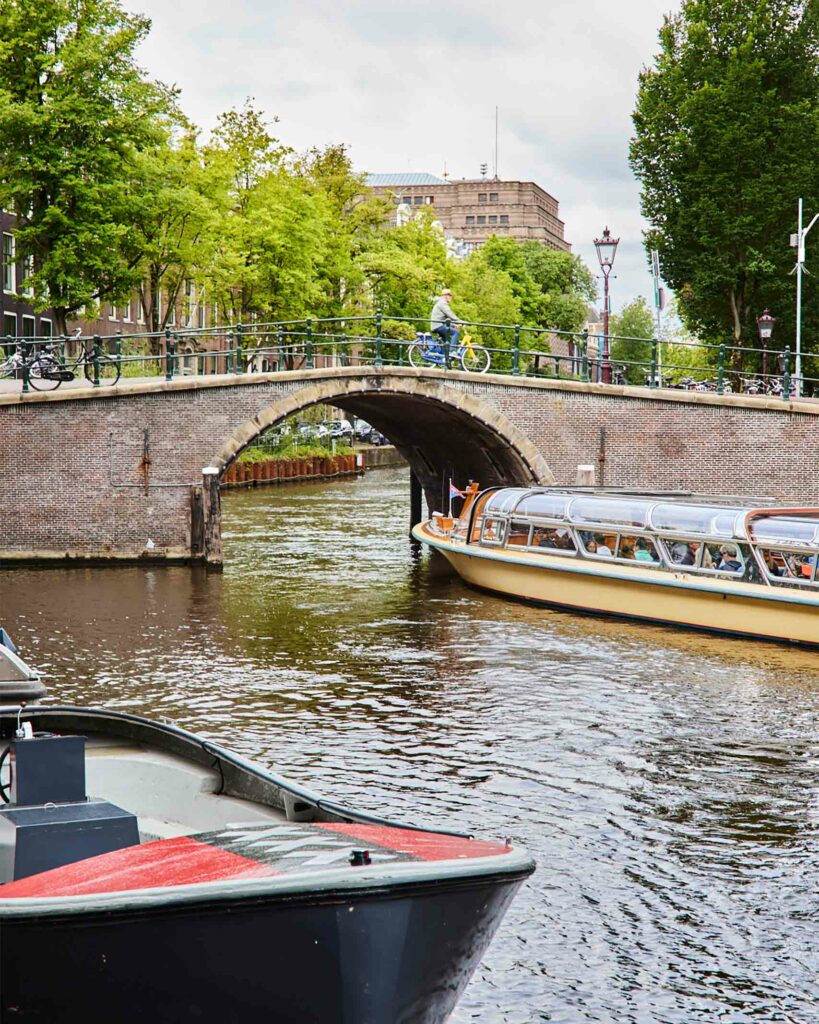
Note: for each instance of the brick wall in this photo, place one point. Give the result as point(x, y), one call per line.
point(104, 475)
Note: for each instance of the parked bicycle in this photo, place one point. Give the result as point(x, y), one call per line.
point(48, 368)
point(430, 349)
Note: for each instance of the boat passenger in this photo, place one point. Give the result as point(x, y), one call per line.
point(641, 553)
point(602, 547)
point(682, 554)
point(730, 561)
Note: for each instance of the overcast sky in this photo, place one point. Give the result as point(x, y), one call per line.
point(414, 86)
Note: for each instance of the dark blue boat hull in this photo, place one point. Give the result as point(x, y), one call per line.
point(400, 954)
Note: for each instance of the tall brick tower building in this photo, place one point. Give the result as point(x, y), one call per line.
point(470, 210)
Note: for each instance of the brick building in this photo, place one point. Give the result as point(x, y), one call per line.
point(471, 210)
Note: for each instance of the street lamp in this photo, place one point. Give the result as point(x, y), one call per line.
point(798, 240)
point(606, 248)
point(765, 326)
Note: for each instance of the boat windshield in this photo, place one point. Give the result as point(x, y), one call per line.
point(544, 505)
point(785, 530)
point(695, 519)
point(610, 511)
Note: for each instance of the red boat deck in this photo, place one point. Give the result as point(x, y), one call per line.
point(246, 851)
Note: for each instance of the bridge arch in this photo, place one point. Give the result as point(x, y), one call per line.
point(439, 430)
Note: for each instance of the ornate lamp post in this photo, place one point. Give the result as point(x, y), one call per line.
point(606, 248)
point(765, 326)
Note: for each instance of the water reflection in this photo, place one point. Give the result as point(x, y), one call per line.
point(665, 781)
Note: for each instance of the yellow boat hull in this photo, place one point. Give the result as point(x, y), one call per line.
point(683, 599)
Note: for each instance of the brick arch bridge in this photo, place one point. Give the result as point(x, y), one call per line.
point(117, 473)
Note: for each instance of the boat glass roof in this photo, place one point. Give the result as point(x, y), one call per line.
point(785, 530)
point(548, 505)
point(505, 499)
point(614, 511)
point(697, 519)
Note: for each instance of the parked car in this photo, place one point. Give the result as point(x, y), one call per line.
point(340, 428)
point(375, 437)
point(312, 431)
point(361, 429)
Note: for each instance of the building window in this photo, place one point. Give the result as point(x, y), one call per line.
point(429, 200)
point(9, 276)
point(190, 305)
point(126, 312)
point(112, 313)
point(481, 220)
point(28, 326)
point(28, 270)
point(10, 325)
point(493, 197)
point(200, 312)
point(46, 330)
point(418, 200)
point(481, 197)
point(470, 220)
point(504, 218)
point(493, 219)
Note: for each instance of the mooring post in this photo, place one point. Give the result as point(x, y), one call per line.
point(416, 497)
point(211, 531)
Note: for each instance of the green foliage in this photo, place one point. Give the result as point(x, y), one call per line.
point(634, 321)
point(405, 265)
point(75, 112)
point(726, 129)
point(293, 451)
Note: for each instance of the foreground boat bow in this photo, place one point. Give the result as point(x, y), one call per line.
point(245, 897)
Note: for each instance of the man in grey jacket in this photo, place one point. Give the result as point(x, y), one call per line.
point(441, 312)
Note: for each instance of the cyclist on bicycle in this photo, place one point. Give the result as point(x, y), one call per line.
point(441, 312)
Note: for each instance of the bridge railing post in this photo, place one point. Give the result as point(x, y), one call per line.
point(240, 356)
point(118, 349)
point(786, 374)
point(26, 366)
point(516, 352)
point(721, 370)
point(652, 380)
point(308, 344)
point(584, 355)
point(229, 353)
point(168, 354)
point(280, 355)
point(95, 358)
point(378, 347)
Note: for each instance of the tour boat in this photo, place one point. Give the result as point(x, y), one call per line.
point(717, 566)
point(151, 875)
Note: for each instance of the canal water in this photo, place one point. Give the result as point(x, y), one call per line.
point(665, 782)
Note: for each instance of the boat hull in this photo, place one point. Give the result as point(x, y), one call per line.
point(729, 607)
point(338, 957)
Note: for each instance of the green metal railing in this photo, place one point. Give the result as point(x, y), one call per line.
point(377, 341)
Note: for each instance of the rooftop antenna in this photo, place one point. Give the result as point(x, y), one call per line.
point(446, 172)
point(496, 143)
point(483, 170)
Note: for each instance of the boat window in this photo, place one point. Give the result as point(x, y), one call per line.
point(697, 519)
point(518, 534)
point(493, 531)
point(600, 545)
point(723, 558)
point(459, 529)
point(554, 540)
point(544, 505)
point(685, 553)
point(793, 567)
point(785, 530)
point(505, 499)
point(617, 511)
point(638, 549)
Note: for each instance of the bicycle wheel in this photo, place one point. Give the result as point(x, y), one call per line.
point(475, 358)
point(417, 355)
point(110, 370)
point(44, 365)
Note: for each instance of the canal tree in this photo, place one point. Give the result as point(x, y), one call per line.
point(726, 130)
point(632, 330)
point(75, 110)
